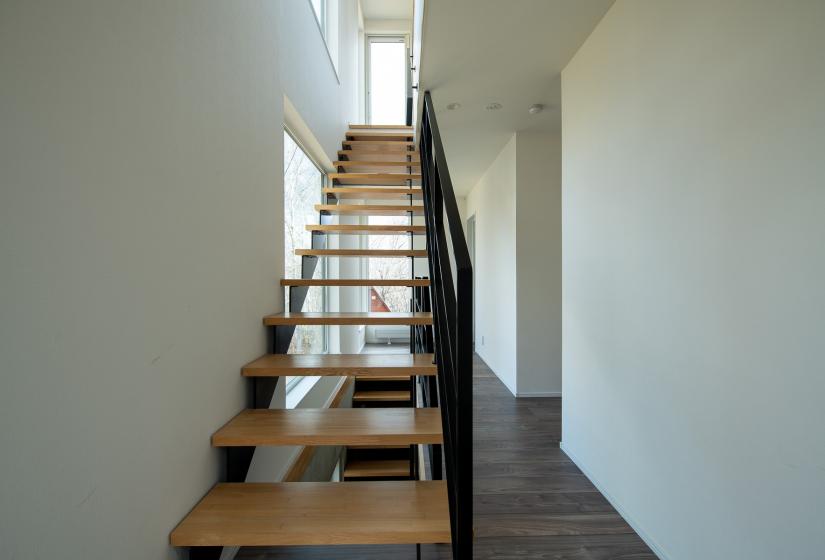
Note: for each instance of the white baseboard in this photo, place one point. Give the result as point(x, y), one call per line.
point(539, 394)
point(657, 550)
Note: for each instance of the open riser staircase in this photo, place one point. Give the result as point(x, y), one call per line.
point(408, 435)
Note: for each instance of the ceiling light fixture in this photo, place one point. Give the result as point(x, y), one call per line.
point(535, 109)
point(453, 106)
point(494, 106)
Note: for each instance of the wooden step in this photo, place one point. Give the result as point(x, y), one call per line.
point(354, 282)
point(331, 426)
point(374, 253)
point(380, 193)
point(382, 378)
point(348, 318)
point(374, 136)
point(359, 154)
point(376, 146)
point(366, 229)
point(386, 179)
point(362, 365)
point(380, 396)
point(361, 447)
point(377, 468)
point(370, 209)
point(318, 513)
point(380, 126)
point(356, 163)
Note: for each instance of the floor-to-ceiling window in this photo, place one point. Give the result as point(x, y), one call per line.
point(386, 79)
point(388, 298)
point(303, 181)
point(396, 298)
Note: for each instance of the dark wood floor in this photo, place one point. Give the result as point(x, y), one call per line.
point(531, 501)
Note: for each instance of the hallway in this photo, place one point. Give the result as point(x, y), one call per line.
point(531, 501)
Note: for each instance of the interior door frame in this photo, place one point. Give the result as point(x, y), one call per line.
point(380, 38)
point(471, 241)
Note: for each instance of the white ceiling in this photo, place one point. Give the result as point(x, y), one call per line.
point(476, 52)
point(387, 9)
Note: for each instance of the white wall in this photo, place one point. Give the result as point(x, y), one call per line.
point(327, 100)
point(517, 204)
point(694, 266)
point(388, 26)
point(141, 239)
point(493, 202)
point(538, 260)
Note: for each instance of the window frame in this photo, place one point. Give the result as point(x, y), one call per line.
point(366, 303)
point(327, 22)
point(293, 382)
point(380, 38)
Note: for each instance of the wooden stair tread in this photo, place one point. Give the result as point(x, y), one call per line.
point(352, 229)
point(377, 468)
point(359, 447)
point(380, 126)
point(405, 190)
point(372, 192)
point(354, 282)
point(361, 252)
point(349, 318)
point(380, 396)
point(399, 145)
point(382, 377)
point(371, 209)
point(373, 163)
point(374, 136)
point(393, 153)
point(318, 513)
point(331, 426)
point(389, 176)
point(383, 179)
point(273, 365)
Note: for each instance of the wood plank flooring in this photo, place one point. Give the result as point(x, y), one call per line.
point(531, 501)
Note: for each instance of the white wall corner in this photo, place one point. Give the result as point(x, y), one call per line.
point(643, 534)
point(538, 394)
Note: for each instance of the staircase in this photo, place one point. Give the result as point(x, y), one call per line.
point(395, 430)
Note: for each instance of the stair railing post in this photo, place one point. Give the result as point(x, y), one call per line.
point(451, 305)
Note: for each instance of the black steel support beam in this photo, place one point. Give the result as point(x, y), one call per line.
point(452, 310)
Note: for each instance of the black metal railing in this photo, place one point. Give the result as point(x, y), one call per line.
point(426, 385)
point(451, 287)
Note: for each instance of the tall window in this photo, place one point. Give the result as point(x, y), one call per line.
point(303, 181)
point(387, 80)
point(396, 298)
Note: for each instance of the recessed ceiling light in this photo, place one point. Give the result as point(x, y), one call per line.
point(453, 106)
point(535, 109)
point(494, 106)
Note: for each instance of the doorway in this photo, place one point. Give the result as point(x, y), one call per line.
point(386, 78)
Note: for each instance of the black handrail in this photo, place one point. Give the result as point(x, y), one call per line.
point(451, 286)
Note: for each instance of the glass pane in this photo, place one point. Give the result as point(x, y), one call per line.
point(389, 298)
point(388, 83)
point(302, 190)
